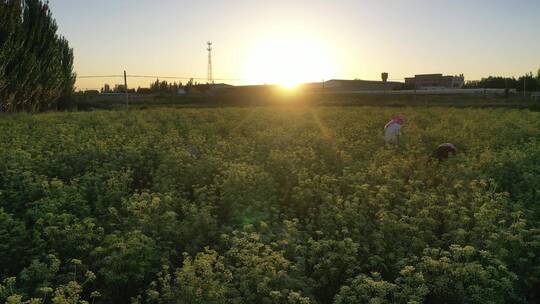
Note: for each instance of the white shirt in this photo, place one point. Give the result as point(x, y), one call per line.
point(391, 132)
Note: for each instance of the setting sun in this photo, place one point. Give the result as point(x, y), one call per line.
point(287, 62)
point(289, 85)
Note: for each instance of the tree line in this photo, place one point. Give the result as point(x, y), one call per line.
point(156, 87)
point(527, 82)
point(36, 64)
point(163, 87)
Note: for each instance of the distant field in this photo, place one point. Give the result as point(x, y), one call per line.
point(286, 204)
point(277, 96)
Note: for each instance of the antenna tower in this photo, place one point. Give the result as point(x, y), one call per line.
point(210, 76)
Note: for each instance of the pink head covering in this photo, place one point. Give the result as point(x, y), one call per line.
point(399, 119)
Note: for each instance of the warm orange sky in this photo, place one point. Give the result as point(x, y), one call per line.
point(290, 41)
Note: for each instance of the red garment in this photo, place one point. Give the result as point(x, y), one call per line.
point(400, 120)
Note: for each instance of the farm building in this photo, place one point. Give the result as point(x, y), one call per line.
point(361, 85)
point(434, 81)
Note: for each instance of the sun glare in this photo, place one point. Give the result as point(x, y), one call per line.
point(289, 85)
point(287, 62)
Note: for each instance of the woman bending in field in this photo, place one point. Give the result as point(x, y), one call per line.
point(392, 130)
point(444, 150)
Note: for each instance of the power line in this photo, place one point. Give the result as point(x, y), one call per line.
point(100, 76)
point(181, 77)
point(184, 78)
point(157, 76)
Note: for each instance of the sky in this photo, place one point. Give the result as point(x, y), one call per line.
point(298, 41)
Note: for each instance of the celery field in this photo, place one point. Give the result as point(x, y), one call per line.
point(270, 205)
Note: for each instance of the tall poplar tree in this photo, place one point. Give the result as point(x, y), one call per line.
point(36, 66)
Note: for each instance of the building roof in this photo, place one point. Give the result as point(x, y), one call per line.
point(359, 81)
point(428, 75)
point(358, 84)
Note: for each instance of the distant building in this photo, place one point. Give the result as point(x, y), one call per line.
point(434, 81)
point(106, 89)
point(211, 87)
point(91, 92)
point(119, 88)
point(362, 85)
point(217, 86)
point(144, 91)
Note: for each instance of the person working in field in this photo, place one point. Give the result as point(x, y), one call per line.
point(392, 130)
point(444, 150)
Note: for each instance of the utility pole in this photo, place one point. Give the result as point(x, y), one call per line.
point(525, 86)
point(126, 88)
point(210, 79)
